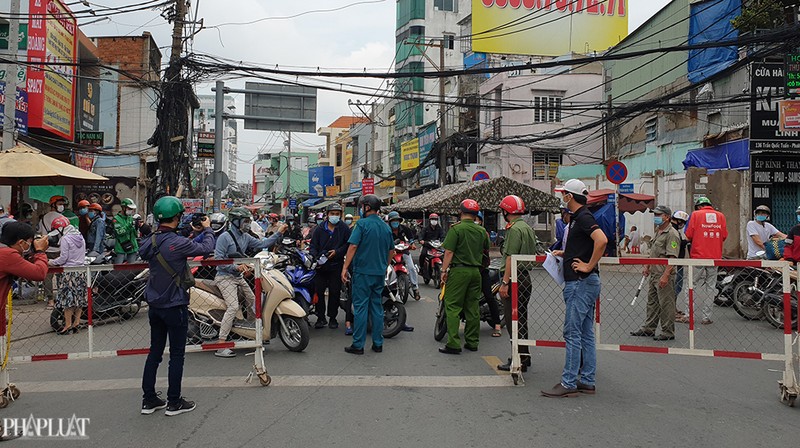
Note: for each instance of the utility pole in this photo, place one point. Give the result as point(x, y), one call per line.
point(289, 166)
point(219, 124)
point(442, 148)
point(10, 104)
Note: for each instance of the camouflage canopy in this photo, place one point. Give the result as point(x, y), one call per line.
point(488, 193)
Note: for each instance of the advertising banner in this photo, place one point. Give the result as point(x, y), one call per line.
point(319, 178)
point(768, 89)
point(84, 161)
point(547, 27)
point(410, 154)
point(790, 115)
point(109, 195)
point(22, 108)
point(368, 186)
point(205, 145)
point(51, 89)
point(427, 137)
point(89, 104)
point(194, 205)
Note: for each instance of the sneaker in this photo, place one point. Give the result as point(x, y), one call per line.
point(416, 294)
point(377, 348)
point(321, 322)
point(225, 353)
point(348, 331)
point(586, 389)
point(150, 406)
point(180, 407)
point(526, 362)
point(333, 324)
point(559, 391)
point(354, 350)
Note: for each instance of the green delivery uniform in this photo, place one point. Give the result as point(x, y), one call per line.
point(125, 232)
point(467, 241)
point(661, 301)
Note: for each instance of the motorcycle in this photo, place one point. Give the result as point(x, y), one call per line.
point(115, 295)
point(432, 263)
point(394, 313)
point(771, 298)
point(299, 267)
point(402, 248)
point(281, 316)
point(440, 327)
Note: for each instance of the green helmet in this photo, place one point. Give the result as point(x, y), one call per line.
point(167, 207)
point(127, 202)
point(702, 200)
point(239, 213)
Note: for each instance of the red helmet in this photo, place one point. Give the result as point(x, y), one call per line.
point(470, 206)
point(433, 216)
point(513, 204)
point(83, 203)
point(54, 199)
point(96, 207)
point(59, 223)
point(273, 216)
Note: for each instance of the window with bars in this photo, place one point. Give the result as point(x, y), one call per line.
point(449, 41)
point(545, 166)
point(547, 109)
point(651, 129)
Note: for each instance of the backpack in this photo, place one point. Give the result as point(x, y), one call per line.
point(185, 279)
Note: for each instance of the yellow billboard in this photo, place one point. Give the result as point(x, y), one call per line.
point(409, 151)
point(547, 27)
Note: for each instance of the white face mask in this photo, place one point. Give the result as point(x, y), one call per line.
point(130, 212)
point(60, 208)
point(434, 222)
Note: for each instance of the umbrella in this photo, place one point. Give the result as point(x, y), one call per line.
point(24, 165)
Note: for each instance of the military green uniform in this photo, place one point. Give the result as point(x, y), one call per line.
point(520, 240)
point(467, 241)
point(661, 301)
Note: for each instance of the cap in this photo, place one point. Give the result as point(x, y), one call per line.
point(662, 210)
point(574, 186)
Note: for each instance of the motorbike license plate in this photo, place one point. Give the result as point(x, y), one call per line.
point(727, 280)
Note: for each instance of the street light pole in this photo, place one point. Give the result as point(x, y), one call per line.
point(219, 123)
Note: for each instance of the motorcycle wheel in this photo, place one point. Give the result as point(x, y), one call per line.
point(296, 335)
point(403, 286)
point(773, 313)
point(56, 319)
point(440, 328)
point(746, 303)
point(437, 276)
point(394, 317)
point(193, 336)
point(132, 311)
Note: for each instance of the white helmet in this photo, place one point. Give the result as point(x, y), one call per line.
point(681, 215)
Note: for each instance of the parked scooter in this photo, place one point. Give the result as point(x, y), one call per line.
point(394, 313)
point(299, 267)
point(440, 327)
point(281, 316)
point(402, 248)
point(116, 295)
point(432, 263)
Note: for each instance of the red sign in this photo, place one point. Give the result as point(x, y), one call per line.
point(480, 175)
point(616, 172)
point(368, 186)
point(789, 115)
point(52, 38)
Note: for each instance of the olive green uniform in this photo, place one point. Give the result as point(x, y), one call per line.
point(661, 301)
point(467, 241)
point(520, 240)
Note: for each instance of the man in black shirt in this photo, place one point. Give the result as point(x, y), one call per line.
point(329, 239)
point(586, 243)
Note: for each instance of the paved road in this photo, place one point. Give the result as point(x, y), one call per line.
point(412, 396)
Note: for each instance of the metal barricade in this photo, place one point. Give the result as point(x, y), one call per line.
point(724, 308)
point(114, 315)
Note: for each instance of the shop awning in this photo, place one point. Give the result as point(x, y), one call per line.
point(727, 156)
point(628, 202)
point(353, 198)
point(309, 202)
point(322, 205)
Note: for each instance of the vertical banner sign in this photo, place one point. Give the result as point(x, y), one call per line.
point(21, 106)
point(427, 137)
point(52, 39)
point(410, 154)
point(368, 186)
point(89, 103)
point(768, 90)
point(789, 115)
point(205, 145)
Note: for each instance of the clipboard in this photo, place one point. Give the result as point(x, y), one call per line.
point(555, 267)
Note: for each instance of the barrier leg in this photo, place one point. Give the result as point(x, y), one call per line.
point(259, 368)
point(516, 362)
point(597, 322)
point(690, 281)
point(9, 391)
point(788, 386)
point(89, 305)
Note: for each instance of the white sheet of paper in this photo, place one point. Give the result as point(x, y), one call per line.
point(555, 267)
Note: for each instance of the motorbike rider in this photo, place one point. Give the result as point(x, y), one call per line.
point(219, 223)
point(348, 219)
point(83, 219)
point(329, 240)
point(464, 246)
point(486, 287)
point(126, 248)
point(520, 240)
point(759, 231)
point(273, 224)
point(237, 242)
point(433, 231)
point(679, 219)
point(402, 232)
point(97, 229)
point(791, 251)
point(168, 302)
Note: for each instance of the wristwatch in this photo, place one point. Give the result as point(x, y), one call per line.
point(506, 283)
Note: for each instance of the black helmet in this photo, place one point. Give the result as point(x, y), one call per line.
point(239, 213)
point(335, 207)
point(371, 201)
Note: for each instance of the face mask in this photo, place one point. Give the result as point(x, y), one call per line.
point(244, 226)
point(130, 212)
point(434, 222)
point(83, 211)
point(761, 218)
point(361, 212)
point(658, 220)
point(334, 219)
point(60, 208)
point(92, 214)
point(350, 221)
point(319, 222)
point(27, 250)
point(395, 225)
point(798, 218)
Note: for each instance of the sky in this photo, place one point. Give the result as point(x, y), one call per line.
point(295, 34)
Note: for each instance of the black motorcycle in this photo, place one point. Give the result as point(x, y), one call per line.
point(394, 313)
point(440, 328)
point(116, 295)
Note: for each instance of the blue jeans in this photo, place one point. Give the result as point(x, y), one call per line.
point(366, 296)
point(580, 297)
point(173, 323)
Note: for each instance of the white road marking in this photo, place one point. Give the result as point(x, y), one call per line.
point(478, 381)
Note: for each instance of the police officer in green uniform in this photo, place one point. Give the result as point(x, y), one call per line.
point(520, 240)
point(661, 294)
point(464, 247)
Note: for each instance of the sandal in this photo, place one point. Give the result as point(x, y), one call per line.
point(682, 319)
point(49, 307)
point(496, 333)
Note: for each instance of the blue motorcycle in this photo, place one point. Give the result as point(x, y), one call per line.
point(299, 267)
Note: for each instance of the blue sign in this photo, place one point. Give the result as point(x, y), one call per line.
point(293, 203)
point(612, 198)
point(480, 175)
point(625, 188)
point(319, 178)
point(355, 186)
point(427, 138)
point(22, 108)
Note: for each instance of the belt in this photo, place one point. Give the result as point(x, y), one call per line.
point(464, 266)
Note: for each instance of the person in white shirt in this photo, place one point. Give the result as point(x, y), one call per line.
point(759, 231)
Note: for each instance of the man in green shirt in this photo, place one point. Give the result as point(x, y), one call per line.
point(126, 248)
point(464, 247)
point(519, 240)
